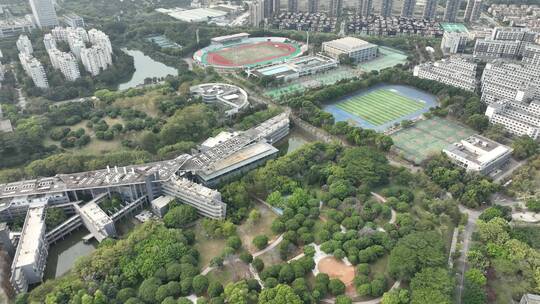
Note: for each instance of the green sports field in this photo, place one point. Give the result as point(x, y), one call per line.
point(380, 106)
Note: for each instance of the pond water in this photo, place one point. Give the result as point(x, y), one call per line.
point(64, 253)
point(428, 100)
point(294, 141)
point(145, 67)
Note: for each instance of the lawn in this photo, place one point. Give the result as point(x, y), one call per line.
point(230, 273)
point(380, 106)
point(208, 247)
point(428, 137)
point(249, 230)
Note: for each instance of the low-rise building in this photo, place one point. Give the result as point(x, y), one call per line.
point(16, 26)
point(530, 298)
point(356, 49)
point(100, 225)
point(454, 71)
point(297, 67)
point(531, 54)
point(160, 205)
point(73, 20)
point(230, 96)
point(478, 154)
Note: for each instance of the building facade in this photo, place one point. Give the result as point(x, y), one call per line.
point(454, 71)
point(478, 154)
point(502, 81)
point(35, 70)
point(451, 10)
point(24, 45)
point(44, 13)
point(386, 8)
point(407, 10)
point(454, 42)
point(430, 10)
point(473, 10)
point(517, 118)
point(335, 8)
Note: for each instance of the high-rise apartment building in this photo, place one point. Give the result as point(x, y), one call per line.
point(336, 8)
point(44, 13)
point(505, 42)
point(49, 41)
point(256, 12)
point(386, 8)
point(313, 6)
point(454, 42)
point(451, 10)
point(35, 70)
point(66, 63)
point(430, 9)
point(473, 10)
point(367, 8)
point(407, 10)
point(24, 45)
point(292, 6)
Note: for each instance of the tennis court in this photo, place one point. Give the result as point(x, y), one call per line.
point(380, 106)
point(387, 58)
point(428, 137)
point(454, 27)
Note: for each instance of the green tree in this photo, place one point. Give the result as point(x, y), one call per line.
point(237, 292)
point(336, 287)
point(524, 146)
point(416, 251)
point(260, 241)
point(200, 284)
point(180, 216)
point(281, 294)
point(432, 285)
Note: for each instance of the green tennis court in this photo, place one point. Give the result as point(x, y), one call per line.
point(380, 106)
point(428, 137)
point(454, 27)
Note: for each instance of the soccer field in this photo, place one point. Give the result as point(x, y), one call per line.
point(381, 106)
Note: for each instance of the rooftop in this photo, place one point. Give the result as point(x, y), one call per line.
point(162, 201)
point(94, 213)
point(33, 229)
point(479, 149)
point(349, 43)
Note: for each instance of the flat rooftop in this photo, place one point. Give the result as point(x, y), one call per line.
point(33, 229)
point(193, 15)
point(162, 201)
point(479, 149)
point(350, 44)
point(115, 176)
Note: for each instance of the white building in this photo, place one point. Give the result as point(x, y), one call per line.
point(49, 41)
point(454, 42)
point(73, 20)
point(95, 59)
point(207, 201)
point(230, 96)
point(44, 13)
point(357, 49)
point(297, 67)
point(31, 255)
point(16, 26)
point(256, 12)
point(505, 42)
point(100, 225)
point(66, 63)
point(35, 70)
point(160, 205)
point(24, 45)
point(531, 54)
point(503, 81)
point(478, 154)
point(454, 71)
point(516, 117)
point(473, 10)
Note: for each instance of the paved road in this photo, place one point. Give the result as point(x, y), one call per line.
point(467, 235)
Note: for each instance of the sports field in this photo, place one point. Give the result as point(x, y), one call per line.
point(428, 137)
point(255, 53)
point(380, 106)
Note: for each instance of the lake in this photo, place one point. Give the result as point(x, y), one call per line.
point(145, 67)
